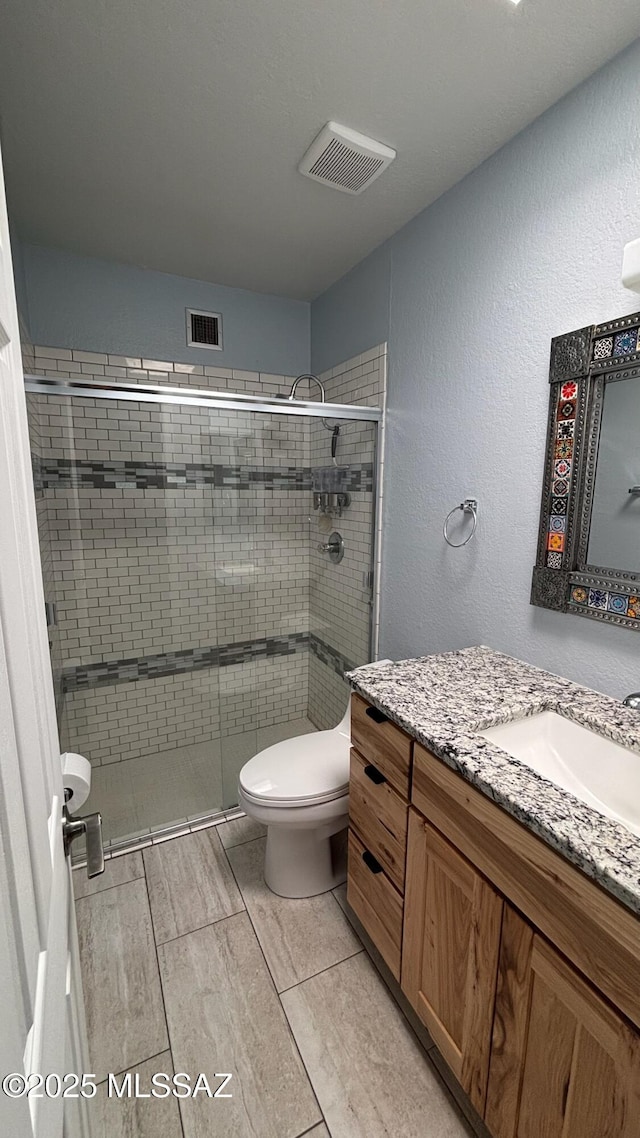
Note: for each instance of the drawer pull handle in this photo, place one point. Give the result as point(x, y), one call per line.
point(377, 716)
point(374, 774)
point(371, 862)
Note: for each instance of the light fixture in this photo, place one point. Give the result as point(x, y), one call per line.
point(631, 266)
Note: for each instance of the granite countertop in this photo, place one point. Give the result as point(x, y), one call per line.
point(442, 700)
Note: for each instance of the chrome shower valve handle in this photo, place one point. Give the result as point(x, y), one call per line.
point(334, 547)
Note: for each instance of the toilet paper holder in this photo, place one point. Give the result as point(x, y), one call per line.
point(76, 779)
point(91, 826)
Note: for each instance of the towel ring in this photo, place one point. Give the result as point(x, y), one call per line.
point(469, 506)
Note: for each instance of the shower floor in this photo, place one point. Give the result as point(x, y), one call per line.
point(138, 796)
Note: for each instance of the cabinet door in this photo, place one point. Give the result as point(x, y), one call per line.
point(564, 1064)
point(450, 953)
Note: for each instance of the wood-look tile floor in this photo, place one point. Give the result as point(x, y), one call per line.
point(191, 965)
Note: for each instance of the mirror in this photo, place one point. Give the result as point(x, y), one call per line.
point(589, 539)
point(614, 536)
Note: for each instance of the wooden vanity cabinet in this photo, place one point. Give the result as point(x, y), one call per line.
point(378, 806)
point(382, 744)
point(451, 943)
point(379, 815)
point(564, 1064)
point(377, 903)
point(524, 971)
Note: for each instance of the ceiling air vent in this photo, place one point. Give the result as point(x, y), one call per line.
point(204, 329)
point(347, 161)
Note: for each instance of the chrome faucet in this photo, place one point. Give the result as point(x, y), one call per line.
point(299, 378)
point(632, 700)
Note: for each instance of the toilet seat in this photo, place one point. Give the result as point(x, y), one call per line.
point(304, 771)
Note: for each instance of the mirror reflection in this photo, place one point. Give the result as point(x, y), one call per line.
point(614, 536)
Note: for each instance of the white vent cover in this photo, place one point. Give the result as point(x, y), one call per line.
point(204, 329)
point(347, 161)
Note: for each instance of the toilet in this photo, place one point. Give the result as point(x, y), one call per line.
point(299, 789)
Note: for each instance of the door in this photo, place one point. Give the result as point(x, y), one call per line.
point(451, 942)
point(564, 1064)
point(38, 971)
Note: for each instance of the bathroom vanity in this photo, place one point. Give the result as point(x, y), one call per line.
point(506, 907)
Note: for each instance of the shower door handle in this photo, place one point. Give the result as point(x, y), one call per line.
point(91, 826)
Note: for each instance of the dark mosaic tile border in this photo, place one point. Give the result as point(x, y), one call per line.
point(354, 476)
point(36, 474)
point(329, 656)
point(125, 671)
point(65, 473)
point(187, 660)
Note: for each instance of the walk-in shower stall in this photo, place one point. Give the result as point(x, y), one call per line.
point(199, 606)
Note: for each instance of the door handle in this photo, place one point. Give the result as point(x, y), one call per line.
point(374, 774)
point(377, 716)
point(91, 826)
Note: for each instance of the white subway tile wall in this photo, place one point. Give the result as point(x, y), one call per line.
point(342, 597)
point(113, 722)
point(39, 444)
point(175, 530)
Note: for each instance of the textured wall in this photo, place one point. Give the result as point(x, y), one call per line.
point(353, 315)
point(20, 282)
point(72, 301)
point(527, 247)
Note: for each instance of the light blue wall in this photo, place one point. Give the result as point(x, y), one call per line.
point(20, 281)
point(101, 306)
point(527, 247)
point(353, 315)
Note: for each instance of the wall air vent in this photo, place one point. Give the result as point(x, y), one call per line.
point(345, 160)
point(204, 329)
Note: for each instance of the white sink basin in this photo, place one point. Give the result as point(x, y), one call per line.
point(602, 774)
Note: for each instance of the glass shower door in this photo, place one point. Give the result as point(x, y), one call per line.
point(341, 592)
point(236, 449)
point(199, 615)
point(264, 699)
point(125, 495)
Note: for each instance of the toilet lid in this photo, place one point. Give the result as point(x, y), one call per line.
point(302, 771)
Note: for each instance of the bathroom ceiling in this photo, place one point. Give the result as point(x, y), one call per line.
point(167, 134)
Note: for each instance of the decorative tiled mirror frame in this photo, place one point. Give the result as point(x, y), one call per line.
point(582, 363)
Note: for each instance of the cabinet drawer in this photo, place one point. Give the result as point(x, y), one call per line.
point(379, 815)
point(376, 902)
point(380, 742)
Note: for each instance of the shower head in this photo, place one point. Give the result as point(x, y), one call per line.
point(307, 375)
point(335, 434)
point(334, 428)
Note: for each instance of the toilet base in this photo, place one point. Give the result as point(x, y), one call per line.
point(304, 862)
